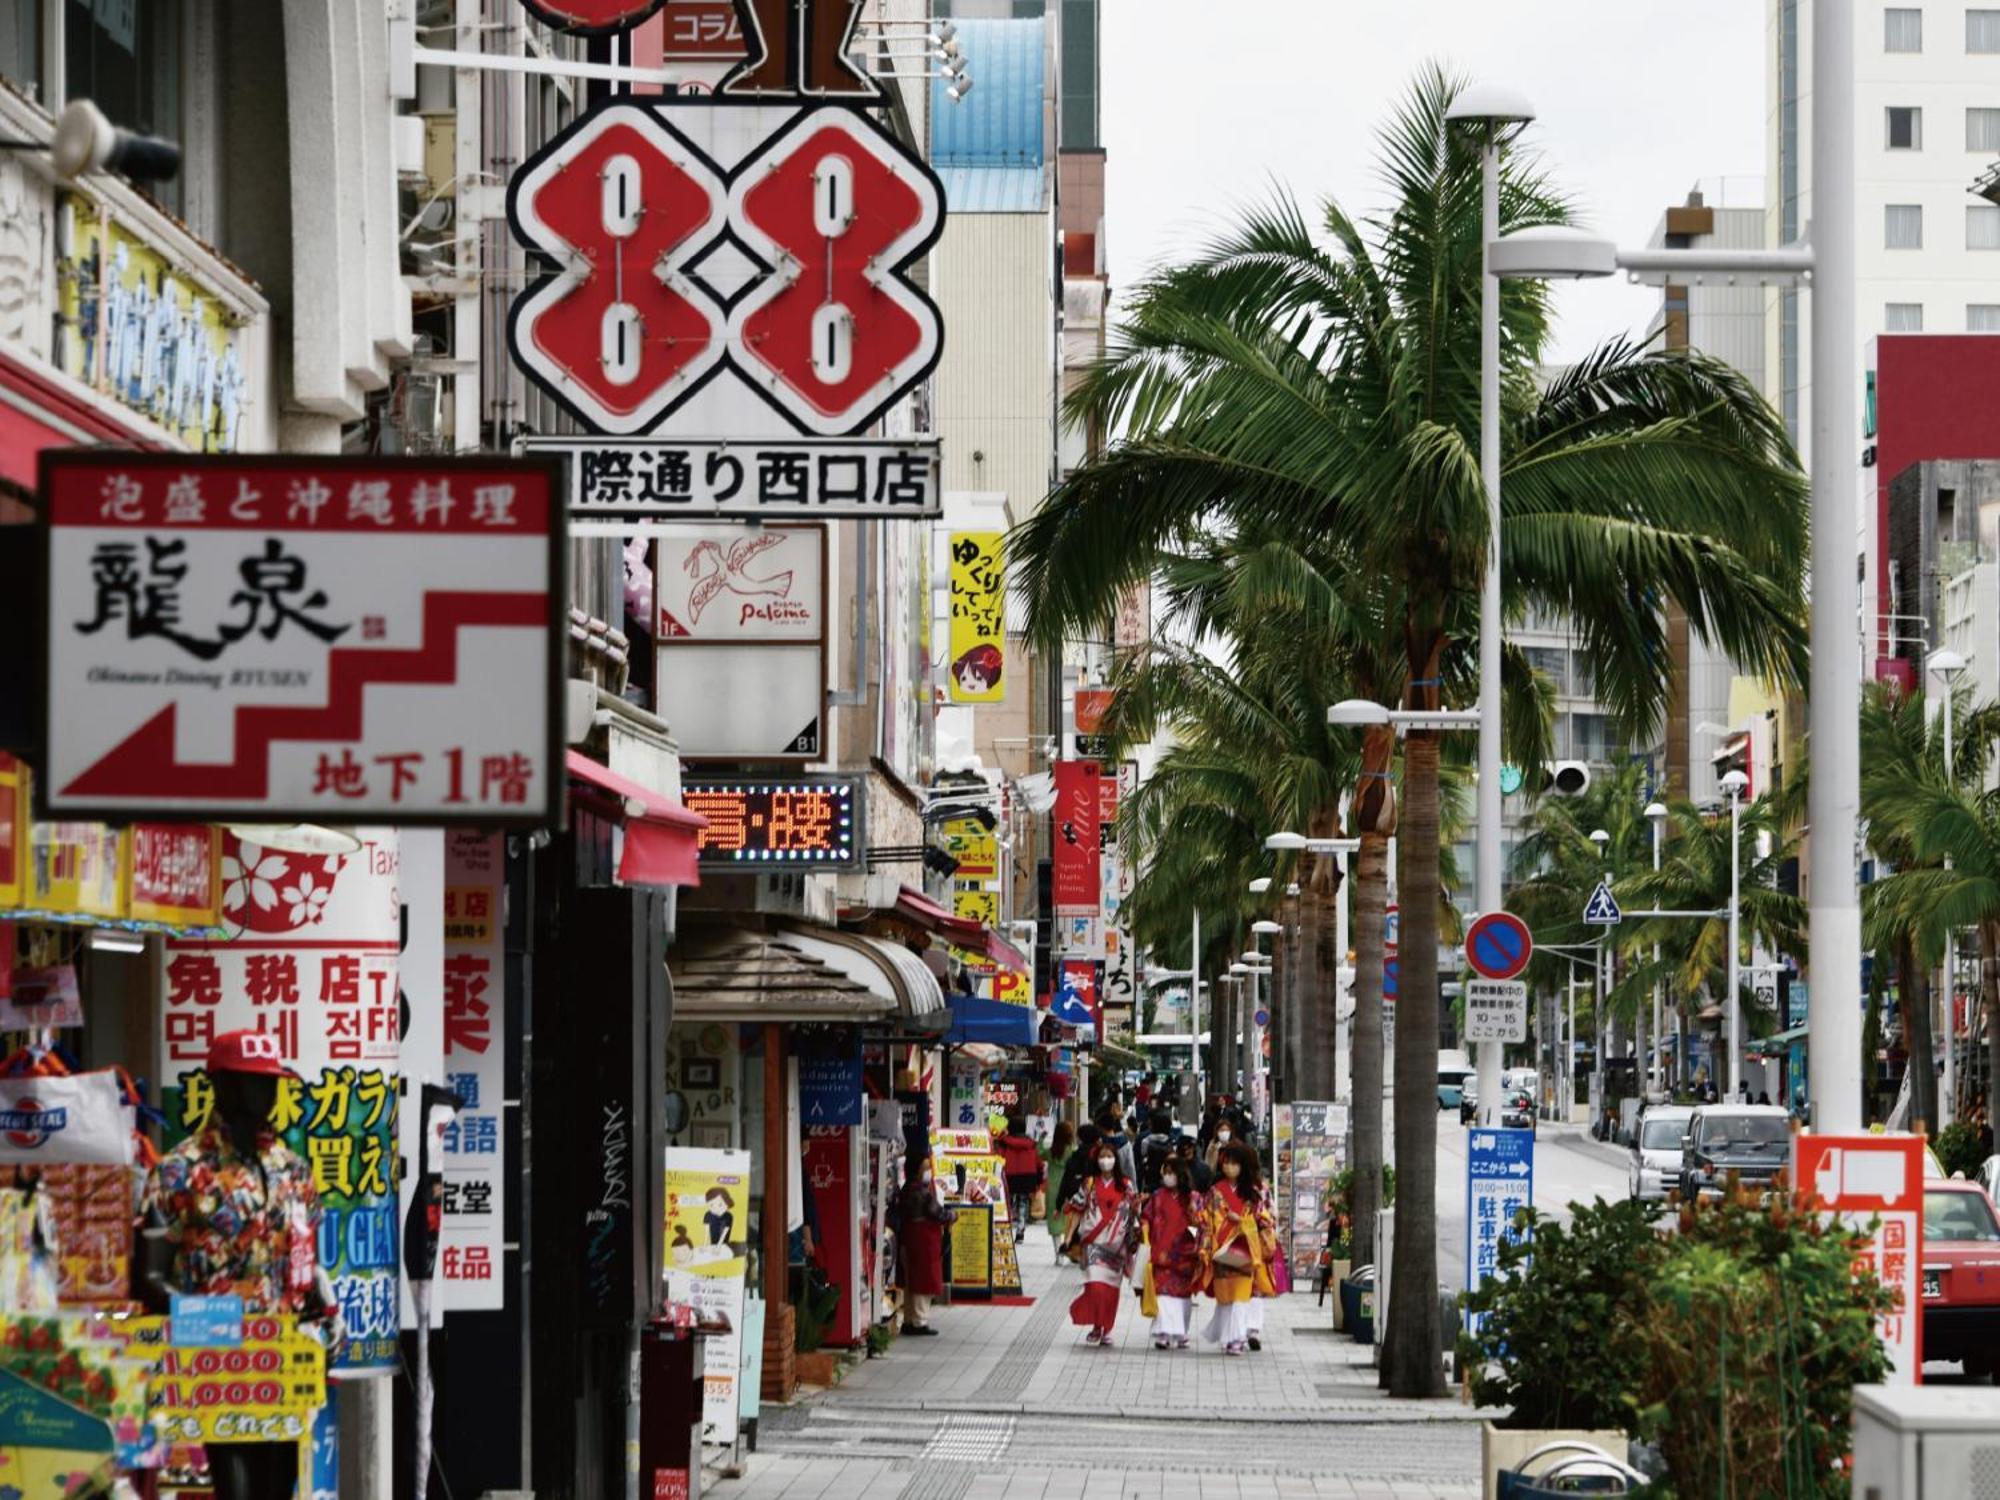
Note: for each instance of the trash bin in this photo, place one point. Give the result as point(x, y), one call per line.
point(1357, 1305)
point(670, 1398)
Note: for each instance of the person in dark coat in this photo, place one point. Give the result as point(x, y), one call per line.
point(1077, 1172)
point(920, 1230)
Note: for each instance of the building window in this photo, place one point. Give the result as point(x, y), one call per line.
point(1906, 128)
point(1592, 739)
point(1903, 226)
point(21, 45)
point(1547, 661)
point(1982, 31)
point(1902, 29)
point(127, 60)
point(1982, 227)
point(1982, 130)
point(1903, 317)
point(1982, 317)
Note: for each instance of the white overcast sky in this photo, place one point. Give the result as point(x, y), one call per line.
point(1205, 101)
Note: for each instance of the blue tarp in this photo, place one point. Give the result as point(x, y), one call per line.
point(991, 1021)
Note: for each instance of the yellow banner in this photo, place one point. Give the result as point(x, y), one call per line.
point(708, 1219)
point(978, 617)
point(13, 830)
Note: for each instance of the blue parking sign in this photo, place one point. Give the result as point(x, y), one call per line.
point(1499, 1183)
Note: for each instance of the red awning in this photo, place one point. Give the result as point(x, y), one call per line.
point(962, 932)
point(40, 409)
point(661, 845)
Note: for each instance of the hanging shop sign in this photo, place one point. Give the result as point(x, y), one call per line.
point(133, 328)
point(593, 17)
point(13, 830)
point(978, 617)
point(473, 1165)
point(285, 639)
point(708, 1233)
point(310, 958)
point(740, 606)
point(1078, 817)
point(649, 479)
point(1092, 704)
point(702, 31)
point(809, 822)
point(77, 870)
point(174, 874)
point(635, 312)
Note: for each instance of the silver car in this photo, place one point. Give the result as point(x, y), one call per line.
point(1656, 1154)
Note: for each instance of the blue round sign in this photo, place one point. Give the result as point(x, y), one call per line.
point(1498, 946)
point(1262, 1017)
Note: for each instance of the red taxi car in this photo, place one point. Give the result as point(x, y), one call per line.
point(1961, 1275)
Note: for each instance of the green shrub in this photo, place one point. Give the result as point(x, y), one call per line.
point(1957, 1148)
point(1547, 1342)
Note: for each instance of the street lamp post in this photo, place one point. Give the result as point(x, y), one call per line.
point(1287, 842)
point(1602, 838)
point(1492, 114)
point(1734, 783)
point(1948, 664)
point(1656, 814)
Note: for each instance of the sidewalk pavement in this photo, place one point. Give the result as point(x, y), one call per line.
point(1010, 1402)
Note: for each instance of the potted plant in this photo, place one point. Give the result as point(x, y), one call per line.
point(1543, 1335)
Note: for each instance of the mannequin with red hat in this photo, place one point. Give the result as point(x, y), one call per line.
point(232, 1209)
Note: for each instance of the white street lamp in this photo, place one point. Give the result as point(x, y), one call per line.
point(1361, 713)
point(1260, 885)
point(1267, 927)
point(1834, 689)
point(1733, 785)
point(1949, 665)
point(1656, 814)
point(1286, 841)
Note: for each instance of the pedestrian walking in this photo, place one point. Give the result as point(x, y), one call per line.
point(1111, 1131)
point(1077, 1170)
point(1225, 1132)
point(920, 1225)
point(1238, 1238)
point(1062, 1146)
point(1106, 1234)
point(1191, 1163)
point(1172, 1219)
point(1155, 1146)
point(1021, 1161)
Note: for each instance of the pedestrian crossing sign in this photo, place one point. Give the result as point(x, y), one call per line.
point(1602, 908)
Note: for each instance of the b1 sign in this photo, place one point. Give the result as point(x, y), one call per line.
point(301, 639)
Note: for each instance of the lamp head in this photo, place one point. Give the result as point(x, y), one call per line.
point(1656, 811)
point(1947, 663)
point(1552, 252)
point(1260, 885)
point(1285, 840)
point(1734, 783)
point(1599, 837)
point(1357, 713)
point(1491, 104)
point(1266, 927)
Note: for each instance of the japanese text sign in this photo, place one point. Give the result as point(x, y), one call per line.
point(472, 1244)
point(623, 209)
point(753, 480)
point(808, 823)
point(301, 639)
point(1875, 1185)
point(1499, 1183)
point(978, 617)
point(1078, 819)
point(311, 960)
point(1496, 1010)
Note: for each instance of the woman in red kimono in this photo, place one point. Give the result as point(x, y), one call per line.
point(1106, 1213)
point(1237, 1242)
point(1173, 1252)
point(920, 1244)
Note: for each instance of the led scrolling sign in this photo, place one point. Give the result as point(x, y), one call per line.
point(803, 823)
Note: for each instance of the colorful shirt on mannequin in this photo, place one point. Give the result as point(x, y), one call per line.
point(239, 1225)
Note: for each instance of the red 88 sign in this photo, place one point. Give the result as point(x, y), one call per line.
point(625, 207)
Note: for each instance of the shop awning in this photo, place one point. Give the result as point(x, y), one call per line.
point(739, 975)
point(660, 846)
point(42, 408)
point(994, 1022)
point(885, 967)
point(967, 933)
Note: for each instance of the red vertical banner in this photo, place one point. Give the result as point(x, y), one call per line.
point(827, 1159)
point(1078, 814)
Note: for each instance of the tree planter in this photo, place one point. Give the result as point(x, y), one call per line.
point(821, 1367)
point(1502, 1448)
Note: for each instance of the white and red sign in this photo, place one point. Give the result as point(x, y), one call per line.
point(597, 17)
point(736, 583)
point(1076, 873)
point(281, 639)
point(810, 308)
point(1498, 946)
point(1875, 1185)
point(472, 1247)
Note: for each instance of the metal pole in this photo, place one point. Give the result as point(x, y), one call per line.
point(1568, 1090)
point(1340, 939)
point(1834, 797)
point(1659, 1028)
point(1194, 1010)
point(1735, 921)
point(1488, 855)
point(1948, 1097)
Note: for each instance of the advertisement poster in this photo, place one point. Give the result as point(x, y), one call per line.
point(708, 1229)
point(1079, 819)
point(13, 829)
point(978, 617)
point(474, 1168)
point(1311, 1148)
point(311, 959)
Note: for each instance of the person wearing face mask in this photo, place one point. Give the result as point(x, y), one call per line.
point(1237, 1241)
point(1225, 1133)
point(1172, 1219)
point(920, 1226)
point(1105, 1211)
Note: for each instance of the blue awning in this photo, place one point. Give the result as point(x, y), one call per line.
point(994, 1022)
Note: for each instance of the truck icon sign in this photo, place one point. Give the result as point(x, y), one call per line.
point(1848, 1172)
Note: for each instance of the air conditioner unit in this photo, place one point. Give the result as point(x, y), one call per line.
point(1926, 1442)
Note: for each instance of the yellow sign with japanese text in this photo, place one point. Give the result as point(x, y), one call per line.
point(978, 617)
point(708, 1213)
point(76, 869)
point(13, 830)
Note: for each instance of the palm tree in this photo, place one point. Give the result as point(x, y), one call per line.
point(1916, 820)
point(1328, 386)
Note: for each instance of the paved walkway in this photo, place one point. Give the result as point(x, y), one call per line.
point(1009, 1403)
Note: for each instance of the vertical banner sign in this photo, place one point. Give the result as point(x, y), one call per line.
point(1874, 1184)
point(708, 1231)
point(471, 1249)
point(1499, 1182)
point(310, 959)
point(13, 830)
point(1307, 1168)
point(978, 617)
point(1078, 1002)
point(1079, 819)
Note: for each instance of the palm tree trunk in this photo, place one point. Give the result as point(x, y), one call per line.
point(1371, 897)
point(1317, 1013)
point(1300, 1023)
point(1913, 997)
point(1410, 1356)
